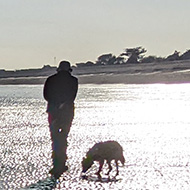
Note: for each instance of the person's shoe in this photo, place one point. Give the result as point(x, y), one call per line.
point(65, 168)
point(57, 173)
point(51, 171)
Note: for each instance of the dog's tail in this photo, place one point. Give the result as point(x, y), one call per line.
point(122, 160)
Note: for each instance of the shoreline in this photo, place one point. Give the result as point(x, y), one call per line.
point(112, 78)
point(166, 73)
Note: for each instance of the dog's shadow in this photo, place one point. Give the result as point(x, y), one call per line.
point(48, 183)
point(100, 179)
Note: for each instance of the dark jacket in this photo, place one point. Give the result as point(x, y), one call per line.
point(60, 88)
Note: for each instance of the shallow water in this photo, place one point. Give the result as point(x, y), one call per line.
point(151, 122)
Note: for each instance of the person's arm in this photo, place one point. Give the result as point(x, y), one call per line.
point(45, 90)
point(73, 92)
point(75, 89)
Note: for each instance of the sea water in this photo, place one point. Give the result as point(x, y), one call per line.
point(151, 122)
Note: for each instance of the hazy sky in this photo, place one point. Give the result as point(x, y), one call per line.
point(33, 32)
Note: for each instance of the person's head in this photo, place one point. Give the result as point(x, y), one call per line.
point(64, 66)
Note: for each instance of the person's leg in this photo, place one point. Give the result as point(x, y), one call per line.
point(64, 122)
point(59, 148)
point(58, 154)
point(59, 128)
point(55, 145)
point(60, 151)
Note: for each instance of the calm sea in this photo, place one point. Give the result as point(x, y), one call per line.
point(151, 122)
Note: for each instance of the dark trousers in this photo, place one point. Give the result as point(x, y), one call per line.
point(60, 122)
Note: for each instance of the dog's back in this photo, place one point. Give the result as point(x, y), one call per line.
point(109, 150)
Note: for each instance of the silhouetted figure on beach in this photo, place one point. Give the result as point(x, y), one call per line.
point(60, 92)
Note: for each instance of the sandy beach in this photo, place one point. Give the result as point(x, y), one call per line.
point(175, 72)
point(139, 78)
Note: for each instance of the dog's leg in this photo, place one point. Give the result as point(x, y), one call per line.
point(101, 163)
point(110, 167)
point(117, 168)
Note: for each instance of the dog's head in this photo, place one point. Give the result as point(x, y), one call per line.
point(87, 163)
point(122, 159)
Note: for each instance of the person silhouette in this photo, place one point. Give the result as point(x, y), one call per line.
point(60, 91)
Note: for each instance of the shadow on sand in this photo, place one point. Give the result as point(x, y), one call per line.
point(50, 183)
point(100, 179)
point(46, 184)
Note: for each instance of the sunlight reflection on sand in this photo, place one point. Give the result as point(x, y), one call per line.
point(150, 121)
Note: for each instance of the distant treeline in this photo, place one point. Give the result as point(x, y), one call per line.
point(134, 55)
point(129, 56)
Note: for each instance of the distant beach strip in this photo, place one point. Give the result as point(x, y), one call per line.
point(175, 72)
point(138, 78)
